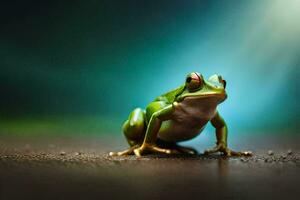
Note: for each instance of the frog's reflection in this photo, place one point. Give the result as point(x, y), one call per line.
point(223, 167)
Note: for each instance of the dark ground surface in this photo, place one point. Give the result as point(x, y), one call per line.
point(79, 168)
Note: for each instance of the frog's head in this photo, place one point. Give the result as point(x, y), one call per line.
point(199, 89)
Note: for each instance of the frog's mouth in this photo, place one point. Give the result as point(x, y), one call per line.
point(219, 97)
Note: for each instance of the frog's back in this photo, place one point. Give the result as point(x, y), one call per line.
point(170, 96)
point(161, 101)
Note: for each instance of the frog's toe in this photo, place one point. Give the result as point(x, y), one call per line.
point(211, 151)
point(113, 153)
point(247, 153)
point(128, 151)
point(156, 149)
point(121, 153)
point(192, 152)
point(187, 150)
point(238, 153)
point(137, 152)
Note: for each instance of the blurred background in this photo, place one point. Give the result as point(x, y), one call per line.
point(80, 67)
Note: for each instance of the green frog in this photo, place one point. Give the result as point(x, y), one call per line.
point(179, 115)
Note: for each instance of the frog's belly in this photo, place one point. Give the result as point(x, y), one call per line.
point(173, 131)
point(188, 120)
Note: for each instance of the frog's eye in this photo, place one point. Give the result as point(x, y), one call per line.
point(193, 81)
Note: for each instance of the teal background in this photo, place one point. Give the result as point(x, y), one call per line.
point(82, 66)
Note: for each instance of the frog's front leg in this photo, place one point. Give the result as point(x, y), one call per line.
point(221, 133)
point(149, 143)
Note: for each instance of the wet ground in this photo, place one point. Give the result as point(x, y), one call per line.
point(79, 168)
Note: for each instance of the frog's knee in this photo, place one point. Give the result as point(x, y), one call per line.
point(137, 118)
point(133, 132)
point(134, 127)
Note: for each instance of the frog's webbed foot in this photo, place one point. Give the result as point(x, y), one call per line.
point(221, 147)
point(186, 150)
point(128, 151)
point(176, 148)
point(239, 153)
point(149, 148)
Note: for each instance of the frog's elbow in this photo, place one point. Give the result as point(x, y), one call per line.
point(217, 121)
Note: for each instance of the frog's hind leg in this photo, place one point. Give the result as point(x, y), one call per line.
point(134, 131)
point(134, 128)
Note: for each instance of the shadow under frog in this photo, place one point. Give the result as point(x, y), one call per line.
point(179, 115)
